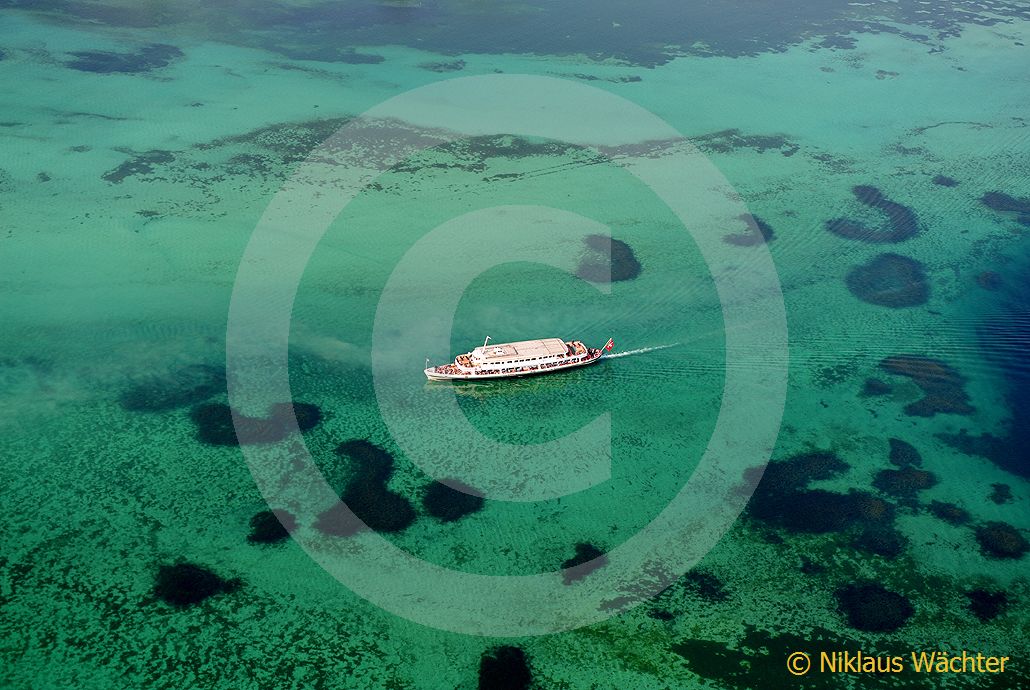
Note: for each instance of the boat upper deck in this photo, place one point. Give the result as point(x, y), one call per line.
point(524, 349)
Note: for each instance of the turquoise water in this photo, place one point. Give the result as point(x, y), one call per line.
point(144, 143)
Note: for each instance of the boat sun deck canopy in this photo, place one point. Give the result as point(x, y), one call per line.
point(524, 349)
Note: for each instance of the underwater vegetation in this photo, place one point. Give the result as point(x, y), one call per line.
point(999, 201)
point(271, 526)
point(366, 497)
point(945, 181)
point(889, 280)
point(186, 584)
point(943, 387)
point(215, 425)
point(881, 541)
point(758, 232)
point(703, 584)
point(782, 498)
point(443, 66)
point(1001, 540)
point(730, 140)
point(144, 59)
point(450, 500)
point(180, 387)
point(608, 260)
point(987, 605)
point(873, 387)
point(291, 142)
point(902, 222)
point(1000, 494)
point(949, 512)
point(904, 483)
point(873, 608)
point(140, 164)
point(903, 454)
point(505, 668)
point(588, 558)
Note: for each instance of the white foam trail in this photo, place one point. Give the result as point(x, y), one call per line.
point(642, 350)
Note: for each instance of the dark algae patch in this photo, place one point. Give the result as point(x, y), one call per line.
point(943, 387)
point(999, 201)
point(783, 500)
point(366, 497)
point(1009, 205)
point(945, 181)
point(889, 280)
point(948, 512)
point(186, 584)
point(505, 668)
point(143, 59)
point(905, 482)
point(881, 541)
point(758, 232)
point(987, 605)
point(730, 140)
point(874, 387)
point(216, 425)
point(904, 454)
point(607, 260)
point(872, 608)
point(901, 221)
point(588, 558)
point(1000, 494)
point(450, 500)
point(1001, 540)
point(141, 164)
point(271, 527)
point(705, 585)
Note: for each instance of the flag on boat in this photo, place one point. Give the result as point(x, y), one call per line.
point(609, 345)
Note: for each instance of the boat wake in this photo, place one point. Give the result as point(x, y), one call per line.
point(640, 351)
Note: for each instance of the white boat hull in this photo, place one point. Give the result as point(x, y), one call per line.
point(433, 374)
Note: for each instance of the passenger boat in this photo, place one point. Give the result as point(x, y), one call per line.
point(523, 358)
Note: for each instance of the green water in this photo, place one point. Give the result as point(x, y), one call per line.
point(127, 201)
